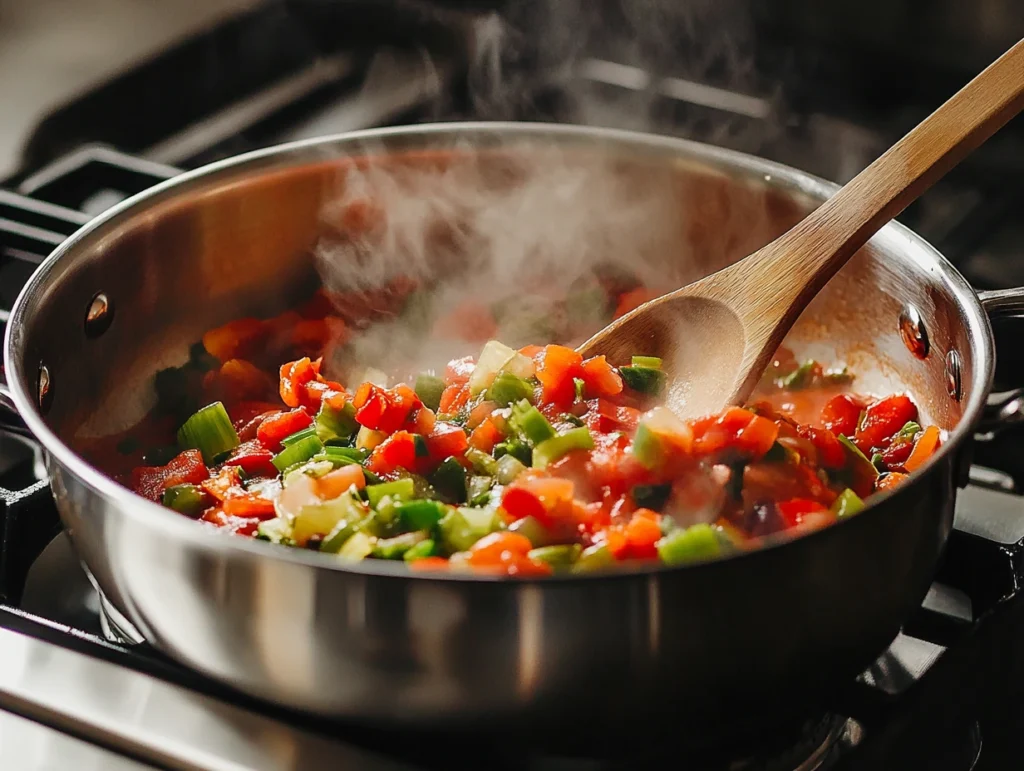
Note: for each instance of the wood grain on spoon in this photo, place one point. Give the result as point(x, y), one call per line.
point(717, 335)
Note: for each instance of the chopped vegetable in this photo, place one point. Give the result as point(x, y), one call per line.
point(646, 362)
point(530, 424)
point(404, 489)
point(210, 431)
point(847, 504)
point(561, 555)
point(645, 380)
point(554, 448)
point(449, 479)
point(694, 544)
point(186, 499)
point(429, 388)
point(298, 452)
point(334, 421)
point(508, 389)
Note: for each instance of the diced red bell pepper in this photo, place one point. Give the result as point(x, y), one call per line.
point(883, 419)
point(224, 483)
point(485, 436)
point(793, 511)
point(248, 505)
point(453, 399)
point(520, 502)
point(557, 366)
point(830, 450)
point(716, 433)
point(395, 452)
point(384, 410)
point(896, 454)
point(237, 525)
point(841, 414)
point(283, 424)
point(890, 481)
point(186, 468)
point(600, 378)
point(458, 371)
point(294, 376)
point(642, 533)
point(445, 441)
point(757, 437)
point(253, 458)
point(554, 496)
point(605, 416)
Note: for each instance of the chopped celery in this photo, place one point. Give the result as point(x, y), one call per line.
point(341, 456)
point(647, 446)
point(404, 489)
point(554, 448)
point(694, 544)
point(537, 534)
point(210, 431)
point(297, 453)
point(275, 530)
point(516, 448)
point(312, 468)
point(429, 388)
point(298, 436)
point(187, 499)
point(424, 548)
point(357, 547)
point(651, 496)
point(449, 479)
point(323, 518)
point(847, 504)
point(463, 527)
point(367, 438)
point(646, 362)
point(560, 555)
point(800, 377)
point(395, 548)
point(508, 469)
point(645, 380)
point(332, 423)
point(530, 424)
point(420, 514)
point(508, 389)
point(480, 489)
point(340, 534)
point(592, 558)
point(482, 462)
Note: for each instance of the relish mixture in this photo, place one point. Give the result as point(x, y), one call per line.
point(517, 461)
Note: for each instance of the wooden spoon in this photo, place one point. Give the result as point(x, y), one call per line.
point(717, 335)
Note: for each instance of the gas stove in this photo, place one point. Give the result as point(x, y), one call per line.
point(79, 688)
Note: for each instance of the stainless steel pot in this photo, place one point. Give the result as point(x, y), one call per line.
point(719, 647)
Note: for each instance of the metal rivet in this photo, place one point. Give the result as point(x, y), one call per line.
point(954, 378)
point(912, 330)
point(44, 389)
point(98, 315)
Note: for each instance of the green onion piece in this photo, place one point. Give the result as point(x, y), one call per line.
point(594, 558)
point(186, 499)
point(507, 389)
point(651, 496)
point(297, 453)
point(554, 448)
point(419, 514)
point(516, 448)
point(580, 387)
point(429, 388)
point(357, 547)
point(461, 528)
point(910, 430)
point(560, 555)
point(298, 436)
point(694, 544)
point(209, 431)
point(482, 462)
point(449, 479)
point(404, 489)
point(530, 424)
point(847, 504)
point(509, 467)
point(799, 377)
point(646, 362)
point(533, 530)
point(333, 423)
point(425, 548)
point(275, 530)
point(395, 548)
point(341, 456)
point(644, 380)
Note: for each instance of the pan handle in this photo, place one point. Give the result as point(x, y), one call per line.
point(1004, 410)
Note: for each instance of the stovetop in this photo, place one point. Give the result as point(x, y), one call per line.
point(947, 693)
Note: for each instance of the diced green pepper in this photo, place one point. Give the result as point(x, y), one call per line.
point(533, 530)
point(461, 528)
point(530, 424)
point(425, 548)
point(647, 447)
point(210, 431)
point(297, 453)
point(554, 448)
point(358, 546)
point(593, 558)
point(516, 448)
point(651, 496)
point(694, 544)
point(646, 362)
point(298, 436)
point(333, 423)
point(508, 389)
point(859, 472)
point(449, 479)
point(420, 514)
point(847, 504)
point(395, 548)
point(838, 376)
point(404, 489)
point(482, 462)
point(560, 555)
point(508, 469)
point(429, 388)
point(645, 380)
point(187, 499)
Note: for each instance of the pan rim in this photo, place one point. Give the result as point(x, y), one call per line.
point(294, 153)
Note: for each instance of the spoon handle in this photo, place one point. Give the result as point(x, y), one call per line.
point(813, 251)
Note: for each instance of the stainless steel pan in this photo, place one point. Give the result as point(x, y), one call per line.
point(716, 647)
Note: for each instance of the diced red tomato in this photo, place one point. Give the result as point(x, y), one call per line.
point(398, 451)
point(282, 425)
point(719, 432)
point(600, 378)
point(553, 494)
point(485, 436)
point(445, 441)
point(607, 416)
point(253, 458)
point(556, 369)
point(793, 511)
point(842, 414)
point(757, 437)
point(187, 468)
point(883, 419)
point(521, 502)
point(453, 399)
point(224, 483)
point(508, 552)
point(531, 351)
point(458, 371)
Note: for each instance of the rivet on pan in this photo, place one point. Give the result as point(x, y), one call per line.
point(98, 315)
point(954, 380)
point(912, 330)
point(44, 389)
